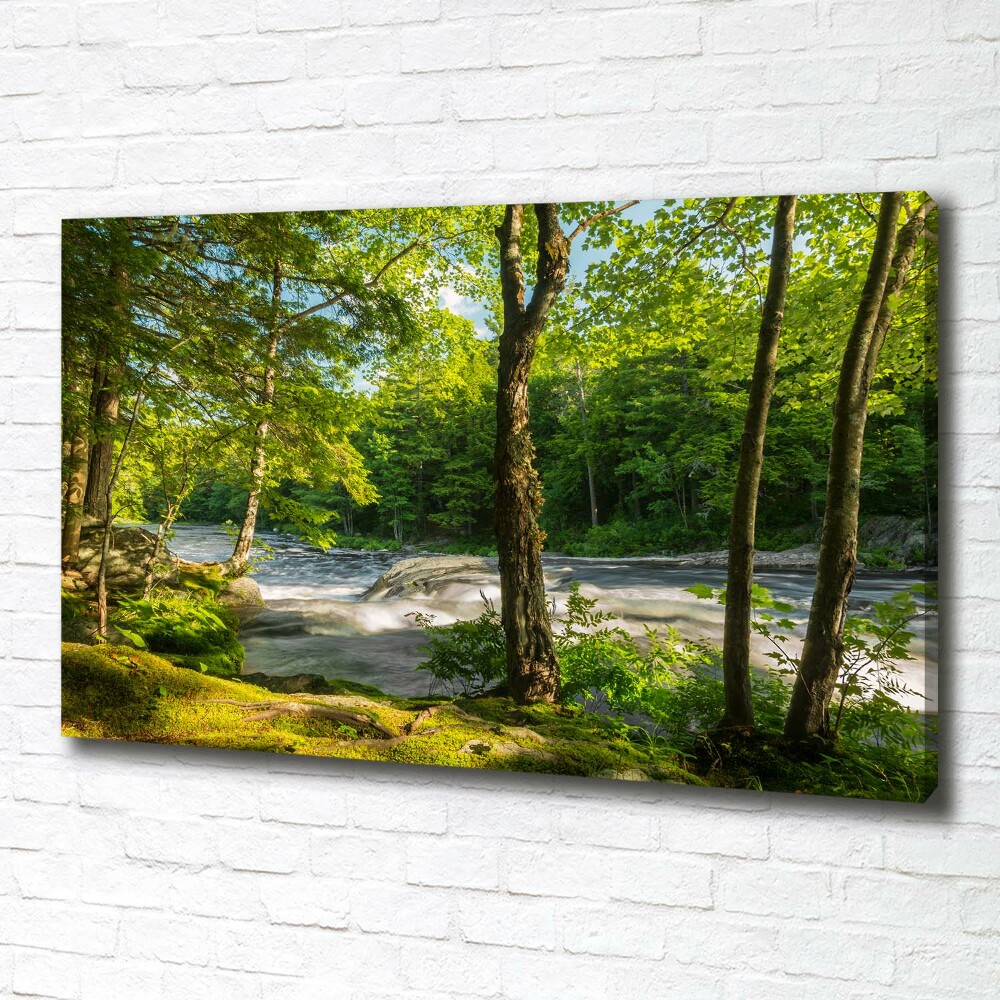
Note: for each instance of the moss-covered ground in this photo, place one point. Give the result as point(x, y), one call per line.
point(119, 693)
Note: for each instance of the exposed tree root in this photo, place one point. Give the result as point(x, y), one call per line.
point(429, 713)
point(275, 709)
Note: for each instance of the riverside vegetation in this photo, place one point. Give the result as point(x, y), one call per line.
point(363, 378)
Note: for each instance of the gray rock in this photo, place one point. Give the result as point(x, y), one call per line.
point(243, 596)
point(420, 573)
point(131, 548)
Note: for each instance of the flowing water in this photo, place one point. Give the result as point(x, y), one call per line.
point(320, 621)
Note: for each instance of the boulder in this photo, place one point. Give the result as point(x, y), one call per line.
point(131, 548)
point(243, 596)
point(802, 557)
point(421, 573)
point(907, 541)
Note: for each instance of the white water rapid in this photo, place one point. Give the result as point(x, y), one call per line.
point(318, 620)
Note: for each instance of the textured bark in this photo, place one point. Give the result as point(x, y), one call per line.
point(236, 564)
point(104, 408)
point(106, 389)
point(532, 670)
point(77, 455)
point(823, 651)
point(586, 446)
point(739, 583)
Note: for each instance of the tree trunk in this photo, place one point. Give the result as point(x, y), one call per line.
point(739, 580)
point(76, 488)
point(586, 447)
point(106, 390)
point(532, 670)
point(823, 651)
point(104, 407)
point(236, 564)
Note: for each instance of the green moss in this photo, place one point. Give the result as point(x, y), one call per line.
point(115, 692)
point(202, 579)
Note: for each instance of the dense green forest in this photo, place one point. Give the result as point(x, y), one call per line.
point(637, 403)
point(670, 376)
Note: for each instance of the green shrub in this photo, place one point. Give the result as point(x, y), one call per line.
point(466, 657)
point(198, 634)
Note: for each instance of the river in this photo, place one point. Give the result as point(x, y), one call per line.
point(317, 620)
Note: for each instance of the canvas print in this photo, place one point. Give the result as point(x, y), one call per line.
point(624, 490)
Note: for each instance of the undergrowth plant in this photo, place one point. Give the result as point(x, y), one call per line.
point(660, 691)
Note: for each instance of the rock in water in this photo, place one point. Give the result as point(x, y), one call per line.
point(421, 573)
point(243, 596)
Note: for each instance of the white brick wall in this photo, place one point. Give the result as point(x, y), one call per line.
point(147, 872)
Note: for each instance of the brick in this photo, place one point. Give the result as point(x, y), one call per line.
point(979, 909)
point(803, 839)
point(772, 891)
point(275, 15)
point(441, 968)
point(111, 23)
point(259, 60)
point(61, 927)
point(501, 95)
point(584, 92)
point(896, 901)
point(383, 102)
point(167, 938)
point(170, 841)
point(528, 820)
point(872, 135)
point(564, 40)
point(391, 11)
point(310, 902)
point(944, 853)
point(217, 892)
point(649, 34)
point(761, 28)
point(384, 908)
point(868, 957)
point(251, 846)
point(856, 23)
point(662, 879)
point(434, 861)
point(512, 921)
point(262, 948)
point(339, 854)
point(465, 153)
point(939, 78)
point(352, 53)
point(765, 138)
point(609, 828)
point(184, 18)
point(555, 871)
point(978, 20)
point(850, 80)
point(629, 932)
point(113, 979)
point(131, 113)
point(679, 141)
point(44, 875)
point(39, 973)
point(444, 46)
point(292, 106)
point(24, 73)
point(43, 24)
point(405, 813)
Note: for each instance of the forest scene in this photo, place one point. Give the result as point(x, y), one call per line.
point(629, 490)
